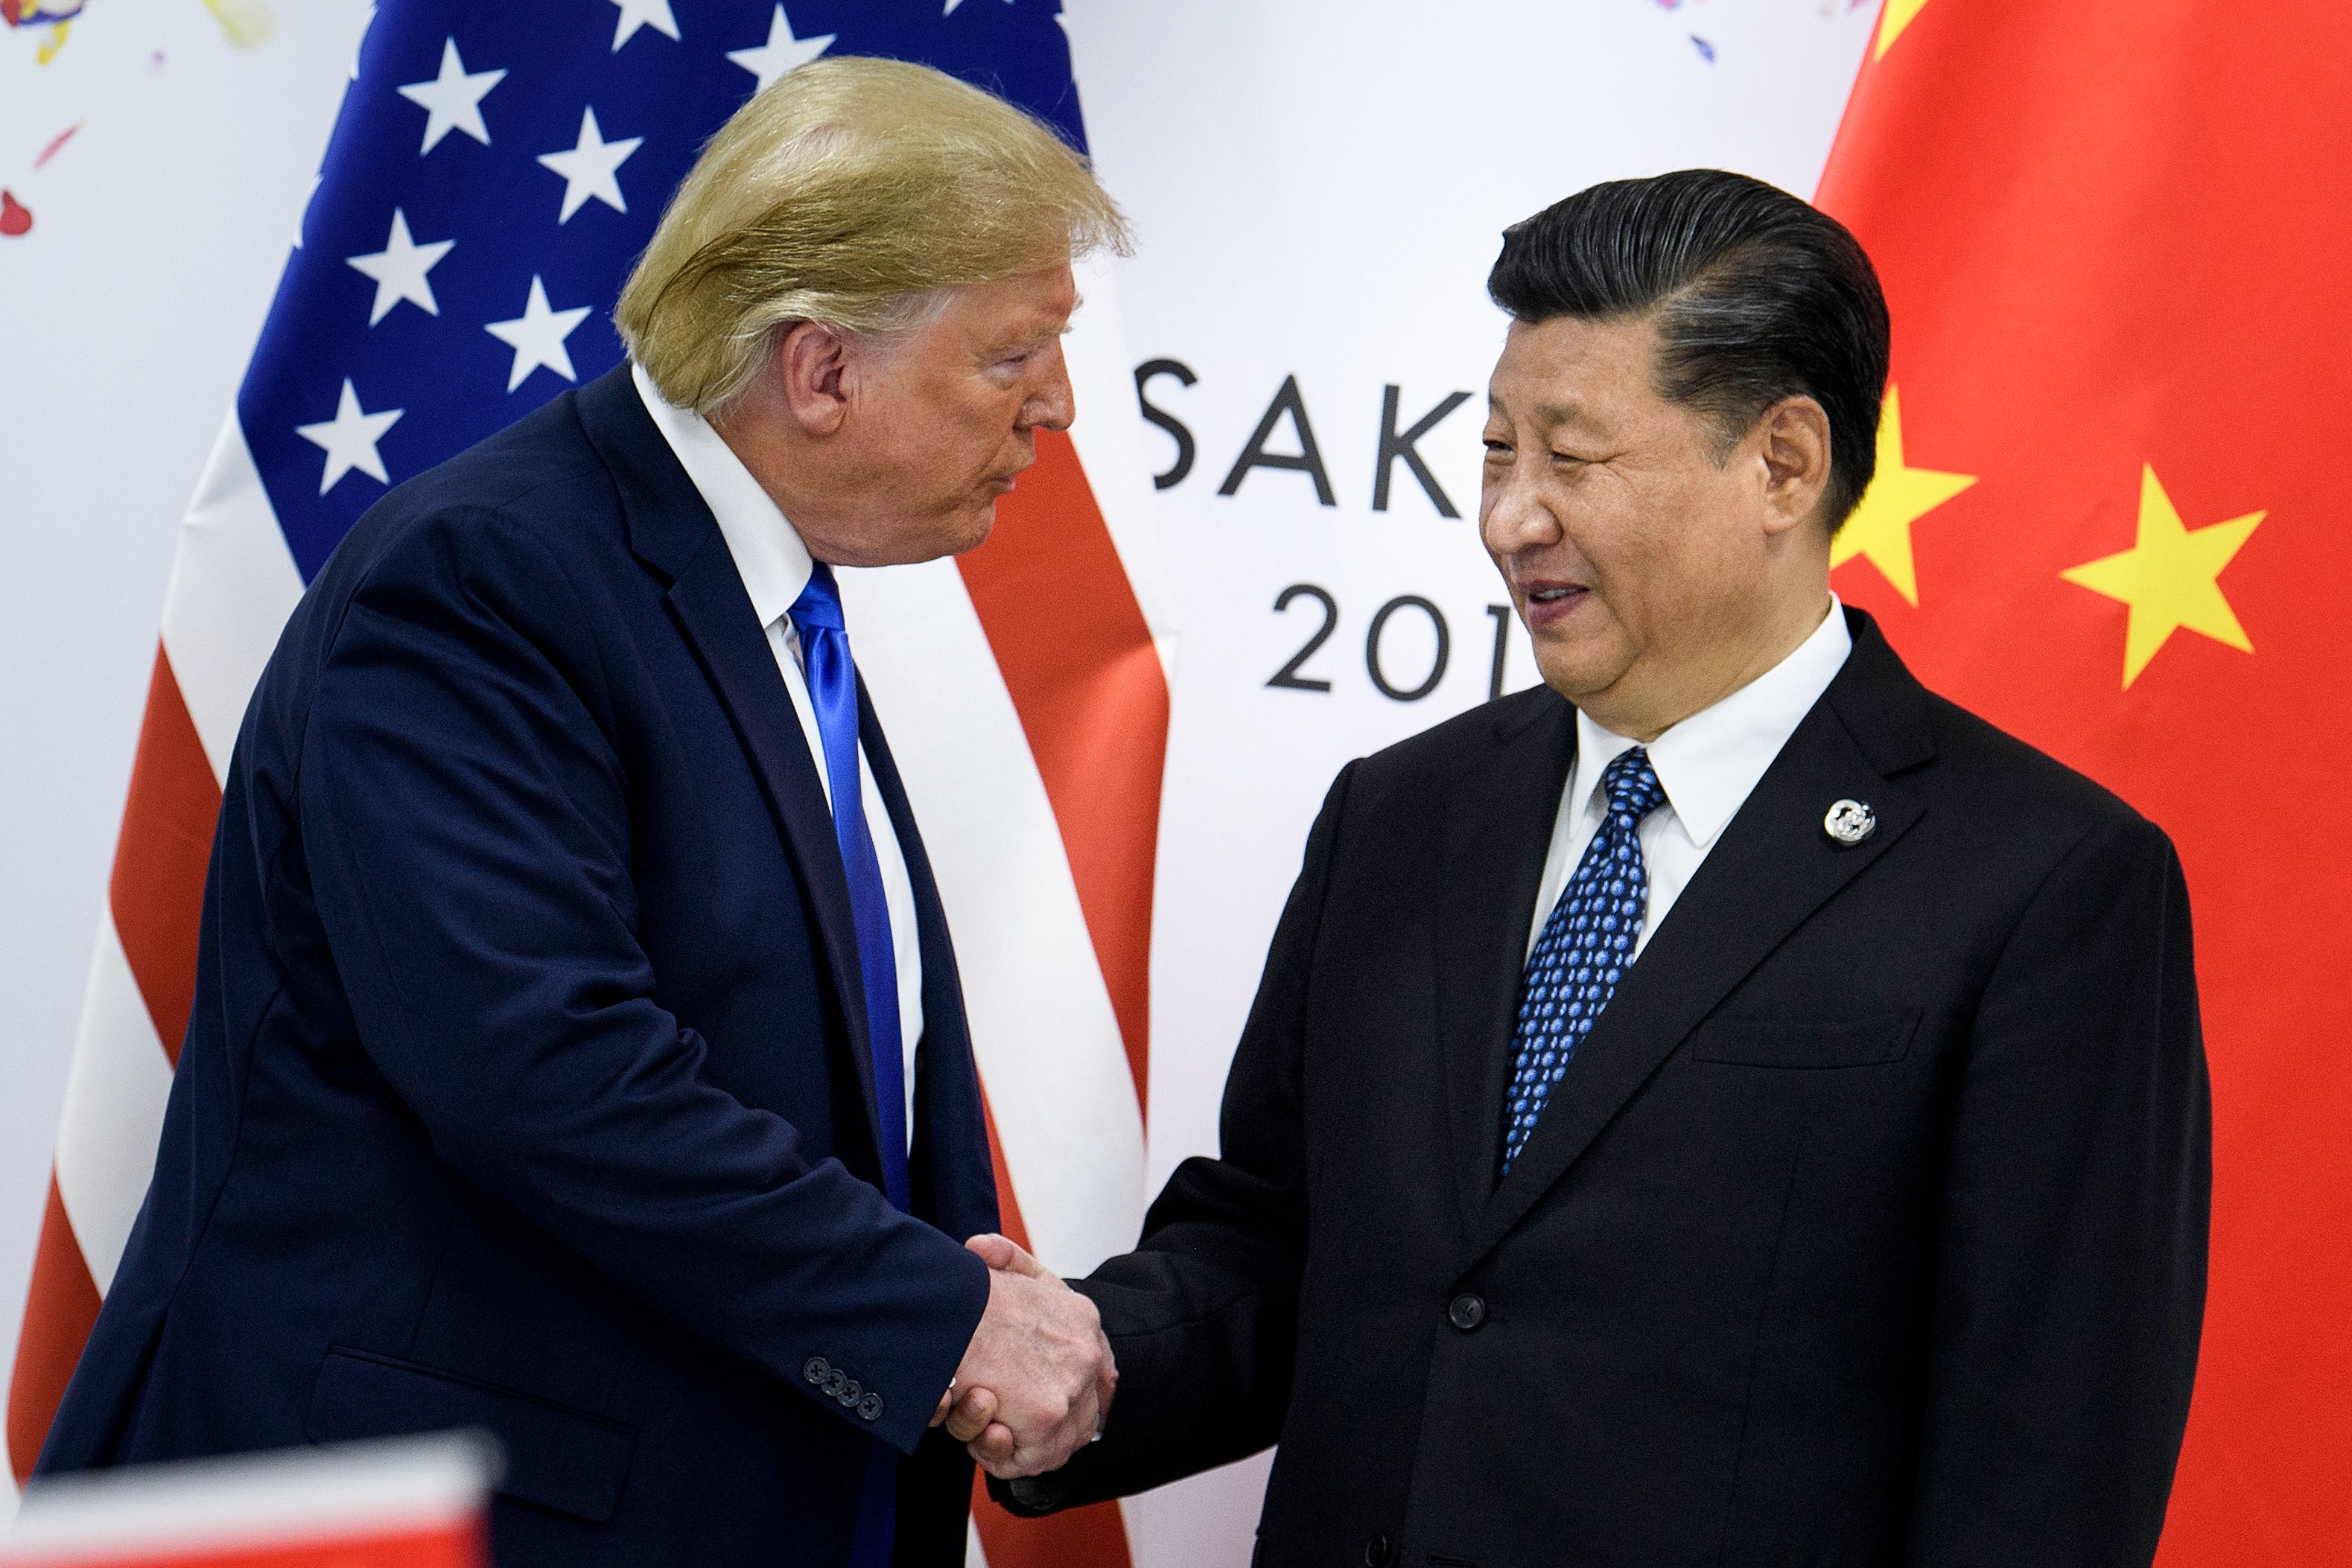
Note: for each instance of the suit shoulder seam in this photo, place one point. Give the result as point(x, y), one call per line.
point(2121, 830)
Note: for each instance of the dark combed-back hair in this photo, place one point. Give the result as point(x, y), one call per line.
point(1758, 296)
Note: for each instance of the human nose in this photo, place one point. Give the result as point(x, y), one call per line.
point(1051, 403)
point(1514, 514)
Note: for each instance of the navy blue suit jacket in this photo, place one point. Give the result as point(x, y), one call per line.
point(527, 1085)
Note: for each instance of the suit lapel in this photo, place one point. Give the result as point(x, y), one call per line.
point(1491, 871)
point(1774, 867)
point(950, 1155)
point(671, 531)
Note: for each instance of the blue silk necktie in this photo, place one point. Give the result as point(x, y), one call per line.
point(1586, 945)
point(832, 693)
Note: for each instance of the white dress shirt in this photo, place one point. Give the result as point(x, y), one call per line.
point(1708, 765)
point(776, 567)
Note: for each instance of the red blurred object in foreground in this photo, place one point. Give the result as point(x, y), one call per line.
point(418, 1503)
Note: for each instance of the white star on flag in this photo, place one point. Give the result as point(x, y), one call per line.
point(399, 270)
point(636, 13)
point(537, 336)
point(453, 100)
point(781, 54)
point(949, 12)
point(349, 439)
point(591, 168)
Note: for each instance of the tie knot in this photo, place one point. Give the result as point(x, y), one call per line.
point(819, 603)
point(1632, 785)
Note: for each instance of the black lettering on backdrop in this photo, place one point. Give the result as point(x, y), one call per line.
point(1436, 664)
point(1396, 443)
point(1309, 460)
point(1166, 421)
point(1288, 677)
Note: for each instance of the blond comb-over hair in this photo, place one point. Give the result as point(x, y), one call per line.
point(849, 193)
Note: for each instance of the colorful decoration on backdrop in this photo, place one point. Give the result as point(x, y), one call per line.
point(1705, 49)
point(1829, 10)
point(57, 145)
point(245, 23)
point(56, 15)
point(16, 214)
point(15, 217)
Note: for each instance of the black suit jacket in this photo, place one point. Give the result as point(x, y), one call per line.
point(1867, 1227)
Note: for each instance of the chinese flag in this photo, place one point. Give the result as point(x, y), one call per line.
point(2114, 516)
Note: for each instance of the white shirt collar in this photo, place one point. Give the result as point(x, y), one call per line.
point(769, 555)
point(1711, 762)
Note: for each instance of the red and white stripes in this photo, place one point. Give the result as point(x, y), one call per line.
point(233, 585)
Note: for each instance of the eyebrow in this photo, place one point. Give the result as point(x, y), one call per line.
point(1044, 333)
point(1549, 415)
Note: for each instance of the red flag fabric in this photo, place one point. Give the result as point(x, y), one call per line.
point(2110, 517)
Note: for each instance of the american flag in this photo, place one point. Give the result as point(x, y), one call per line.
point(492, 174)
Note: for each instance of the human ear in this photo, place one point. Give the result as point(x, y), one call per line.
point(809, 366)
point(1796, 450)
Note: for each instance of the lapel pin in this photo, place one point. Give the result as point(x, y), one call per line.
point(1849, 822)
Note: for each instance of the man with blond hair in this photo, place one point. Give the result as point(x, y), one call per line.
point(578, 1052)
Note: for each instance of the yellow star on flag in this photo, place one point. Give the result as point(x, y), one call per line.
point(1898, 497)
point(2170, 578)
point(1891, 21)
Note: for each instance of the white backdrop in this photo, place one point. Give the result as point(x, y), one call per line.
point(1319, 186)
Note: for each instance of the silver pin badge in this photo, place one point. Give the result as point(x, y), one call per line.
point(1849, 822)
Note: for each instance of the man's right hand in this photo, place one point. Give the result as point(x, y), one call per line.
point(1035, 1380)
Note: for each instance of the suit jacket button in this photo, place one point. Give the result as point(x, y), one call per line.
point(1376, 1551)
point(849, 1394)
point(870, 1407)
point(816, 1369)
point(1467, 1312)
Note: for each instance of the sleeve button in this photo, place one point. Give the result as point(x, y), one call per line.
point(815, 1368)
point(870, 1407)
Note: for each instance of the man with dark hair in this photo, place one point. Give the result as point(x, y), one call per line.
point(1724, 1105)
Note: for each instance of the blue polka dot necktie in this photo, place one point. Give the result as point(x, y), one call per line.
point(1585, 947)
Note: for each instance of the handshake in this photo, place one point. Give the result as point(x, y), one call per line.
point(1035, 1382)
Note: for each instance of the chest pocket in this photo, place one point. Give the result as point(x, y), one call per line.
point(1807, 1042)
